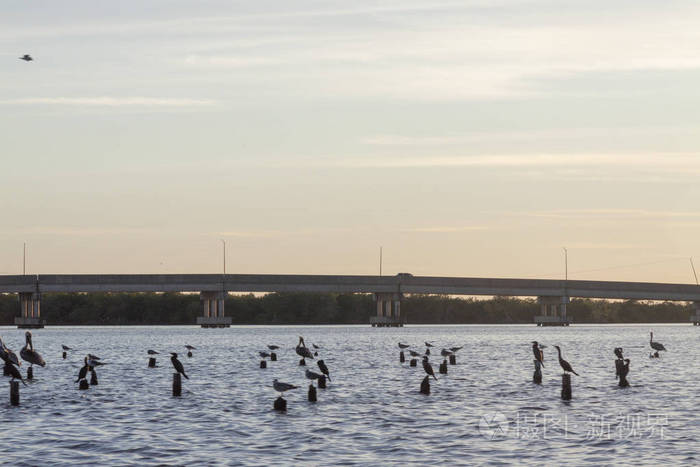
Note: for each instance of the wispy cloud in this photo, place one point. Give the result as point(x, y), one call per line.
point(445, 229)
point(105, 101)
point(617, 213)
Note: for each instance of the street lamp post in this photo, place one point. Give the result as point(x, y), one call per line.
point(566, 264)
point(223, 242)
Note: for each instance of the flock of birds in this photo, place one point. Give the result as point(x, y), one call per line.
point(26, 353)
point(304, 352)
point(427, 366)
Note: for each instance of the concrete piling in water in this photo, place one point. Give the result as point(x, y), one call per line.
point(93, 378)
point(537, 375)
point(413, 362)
point(280, 404)
point(453, 359)
point(566, 387)
point(312, 393)
point(322, 382)
point(14, 393)
point(273, 357)
point(402, 357)
point(425, 385)
point(177, 384)
point(30, 373)
point(83, 384)
point(302, 362)
point(443, 367)
point(151, 362)
point(263, 364)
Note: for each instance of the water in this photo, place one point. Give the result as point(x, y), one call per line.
point(485, 411)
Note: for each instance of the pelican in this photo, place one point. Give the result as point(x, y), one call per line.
point(28, 353)
point(539, 355)
point(14, 372)
point(564, 364)
point(403, 346)
point(302, 350)
point(273, 347)
point(178, 365)
point(152, 352)
point(655, 345)
point(282, 387)
point(324, 369)
point(428, 368)
point(7, 354)
point(26, 58)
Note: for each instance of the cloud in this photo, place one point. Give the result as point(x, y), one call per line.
point(616, 213)
point(446, 229)
point(105, 101)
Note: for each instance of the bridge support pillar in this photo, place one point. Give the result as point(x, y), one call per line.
point(213, 310)
point(30, 311)
point(552, 311)
point(388, 310)
point(695, 317)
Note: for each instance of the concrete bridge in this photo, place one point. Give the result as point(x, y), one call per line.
point(388, 291)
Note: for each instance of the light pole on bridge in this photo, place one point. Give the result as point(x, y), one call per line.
point(223, 242)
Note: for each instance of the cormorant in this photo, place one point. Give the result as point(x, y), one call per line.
point(302, 350)
point(428, 368)
point(324, 369)
point(564, 364)
point(26, 58)
point(28, 353)
point(178, 365)
point(282, 387)
point(618, 352)
point(83, 371)
point(537, 351)
point(655, 345)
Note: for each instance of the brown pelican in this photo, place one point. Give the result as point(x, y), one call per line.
point(282, 387)
point(14, 372)
point(324, 369)
point(655, 345)
point(539, 355)
point(178, 365)
point(8, 355)
point(445, 353)
point(302, 350)
point(428, 368)
point(28, 353)
point(564, 364)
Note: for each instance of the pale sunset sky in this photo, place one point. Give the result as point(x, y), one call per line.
point(468, 138)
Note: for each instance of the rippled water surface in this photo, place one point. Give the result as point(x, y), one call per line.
point(485, 411)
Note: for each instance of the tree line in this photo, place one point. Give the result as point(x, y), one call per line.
point(326, 308)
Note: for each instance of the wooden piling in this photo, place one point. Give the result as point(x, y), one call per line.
point(302, 362)
point(263, 364)
point(189, 354)
point(93, 378)
point(413, 362)
point(151, 362)
point(14, 393)
point(402, 357)
point(566, 387)
point(280, 404)
point(273, 357)
point(443, 367)
point(453, 359)
point(312, 393)
point(425, 386)
point(537, 376)
point(83, 384)
point(64, 355)
point(322, 382)
point(177, 384)
point(30, 373)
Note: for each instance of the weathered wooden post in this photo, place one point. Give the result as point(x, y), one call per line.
point(273, 357)
point(312, 393)
point(189, 354)
point(14, 393)
point(566, 387)
point(413, 362)
point(263, 364)
point(425, 385)
point(151, 362)
point(280, 404)
point(453, 359)
point(177, 384)
point(83, 385)
point(443, 367)
point(302, 362)
point(64, 355)
point(537, 376)
point(93, 378)
point(322, 382)
point(402, 357)
point(30, 373)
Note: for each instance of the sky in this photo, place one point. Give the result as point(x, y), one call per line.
point(466, 138)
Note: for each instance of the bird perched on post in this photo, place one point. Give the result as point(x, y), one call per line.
point(618, 352)
point(324, 369)
point(8, 355)
point(403, 346)
point(302, 350)
point(273, 347)
point(312, 375)
point(282, 387)
point(152, 352)
point(445, 353)
point(263, 354)
point(14, 372)
point(537, 351)
point(28, 353)
point(428, 368)
point(83, 371)
point(65, 348)
point(658, 346)
point(178, 365)
point(564, 364)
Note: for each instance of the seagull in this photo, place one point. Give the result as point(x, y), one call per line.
point(428, 344)
point(564, 364)
point(93, 361)
point(312, 375)
point(26, 58)
point(152, 352)
point(282, 387)
point(178, 365)
point(455, 349)
point(93, 357)
point(315, 346)
point(324, 369)
point(445, 353)
point(273, 347)
point(189, 347)
point(655, 345)
point(65, 347)
point(413, 353)
point(403, 346)
point(428, 368)
point(264, 354)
